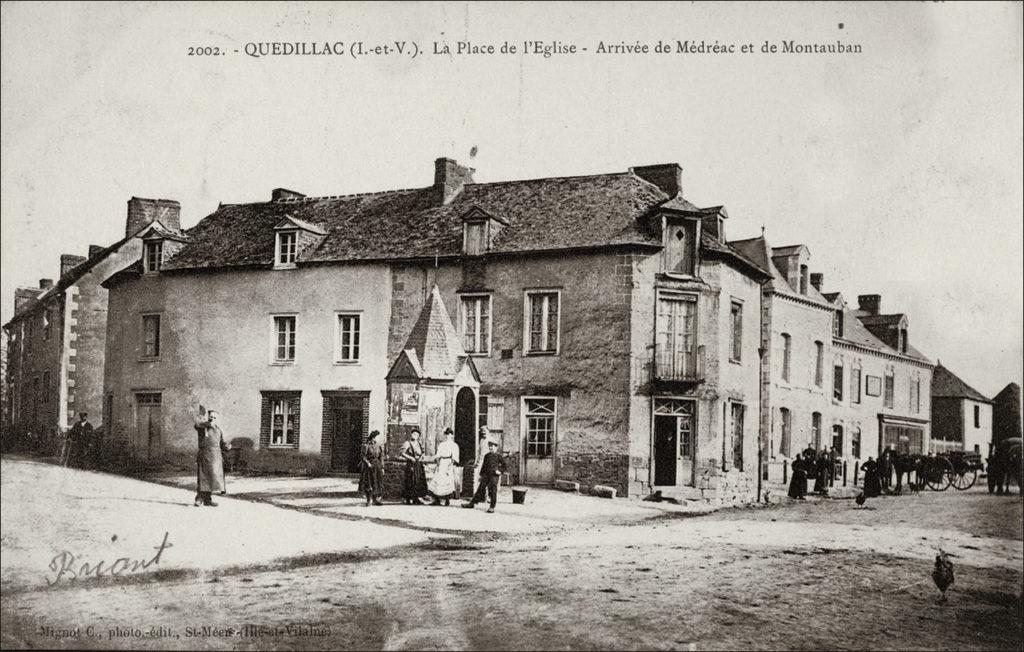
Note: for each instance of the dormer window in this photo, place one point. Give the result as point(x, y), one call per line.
point(474, 238)
point(803, 279)
point(287, 246)
point(152, 259)
point(902, 341)
point(680, 242)
point(837, 323)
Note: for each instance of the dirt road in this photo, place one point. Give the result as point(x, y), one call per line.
point(801, 576)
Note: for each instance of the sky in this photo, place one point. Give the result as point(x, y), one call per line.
point(899, 167)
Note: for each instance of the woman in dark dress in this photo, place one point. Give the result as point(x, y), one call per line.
point(872, 480)
point(415, 476)
point(371, 478)
point(798, 483)
point(821, 472)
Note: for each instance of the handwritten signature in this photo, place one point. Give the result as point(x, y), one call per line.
point(70, 567)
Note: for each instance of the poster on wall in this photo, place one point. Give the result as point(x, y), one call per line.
point(410, 413)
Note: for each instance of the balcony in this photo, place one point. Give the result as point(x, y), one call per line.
point(679, 365)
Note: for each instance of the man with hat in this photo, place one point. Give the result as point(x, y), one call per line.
point(79, 440)
point(491, 468)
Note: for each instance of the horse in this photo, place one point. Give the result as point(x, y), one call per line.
point(1004, 463)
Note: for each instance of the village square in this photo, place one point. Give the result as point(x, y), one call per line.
point(511, 326)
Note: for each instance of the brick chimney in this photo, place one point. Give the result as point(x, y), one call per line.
point(69, 262)
point(22, 296)
point(142, 211)
point(95, 249)
point(449, 178)
point(817, 280)
point(667, 176)
point(45, 283)
point(870, 303)
point(278, 194)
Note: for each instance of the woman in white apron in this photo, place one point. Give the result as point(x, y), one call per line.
point(442, 485)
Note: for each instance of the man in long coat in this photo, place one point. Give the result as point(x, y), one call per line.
point(209, 459)
point(80, 441)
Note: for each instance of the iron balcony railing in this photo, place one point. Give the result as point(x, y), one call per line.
point(686, 365)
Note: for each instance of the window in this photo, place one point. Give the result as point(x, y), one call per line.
point(903, 439)
point(786, 438)
point(803, 279)
point(348, 338)
point(540, 426)
point(47, 319)
point(837, 324)
point(680, 242)
point(787, 355)
point(816, 430)
point(837, 382)
point(284, 422)
point(287, 246)
point(736, 351)
point(492, 413)
point(542, 322)
point(890, 390)
point(977, 416)
point(855, 442)
point(151, 336)
point(476, 324)
point(902, 343)
point(153, 258)
point(819, 364)
point(46, 387)
point(481, 413)
point(837, 439)
point(737, 435)
point(284, 339)
point(676, 354)
point(915, 394)
point(855, 385)
point(475, 238)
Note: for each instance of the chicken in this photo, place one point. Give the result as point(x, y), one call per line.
point(861, 499)
point(943, 573)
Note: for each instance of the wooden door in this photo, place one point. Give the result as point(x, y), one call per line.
point(665, 445)
point(541, 440)
point(347, 438)
point(148, 423)
point(465, 435)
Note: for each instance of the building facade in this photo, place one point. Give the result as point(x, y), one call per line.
point(961, 415)
point(614, 331)
point(1006, 410)
point(57, 337)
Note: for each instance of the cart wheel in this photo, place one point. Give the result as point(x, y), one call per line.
point(938, 474)
point(964, 479)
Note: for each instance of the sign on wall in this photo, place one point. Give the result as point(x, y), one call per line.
point(873, 386)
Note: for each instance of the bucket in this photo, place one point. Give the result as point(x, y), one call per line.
point(519, 495)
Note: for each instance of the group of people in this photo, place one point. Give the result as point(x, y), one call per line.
point(445, 484)
point(812, 464)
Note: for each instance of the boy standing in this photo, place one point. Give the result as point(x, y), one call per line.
point(490, 473)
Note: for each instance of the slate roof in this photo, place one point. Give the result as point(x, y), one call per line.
point(540, 215)
point(946, 384)
point(757, 249)
point(434, 349)
point(881, 320)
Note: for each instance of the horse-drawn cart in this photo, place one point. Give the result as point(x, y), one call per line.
point(958, 469)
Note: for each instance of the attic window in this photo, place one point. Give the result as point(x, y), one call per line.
point(287, 246)
point(153, 257)
point(680, 244)
point(474, 238)
point(837, 324)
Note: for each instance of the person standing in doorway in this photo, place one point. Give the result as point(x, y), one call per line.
point(371, 477)
point(209, 459)
point(490, 474)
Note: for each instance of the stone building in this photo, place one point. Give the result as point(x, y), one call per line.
point(1006, 410)
point(614, 330)
point(834, 377)
point(961, 415)
point(58, 333)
